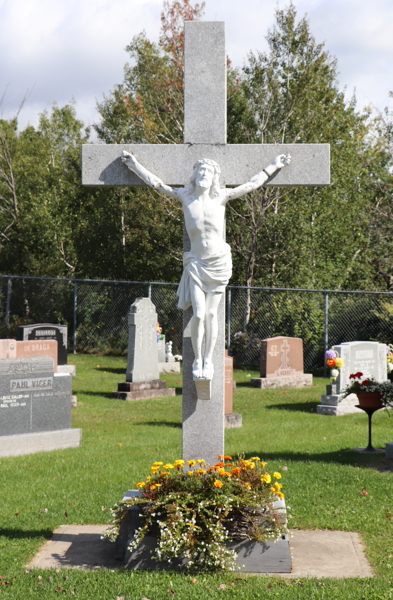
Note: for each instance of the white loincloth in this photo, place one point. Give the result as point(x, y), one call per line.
point(210, 274)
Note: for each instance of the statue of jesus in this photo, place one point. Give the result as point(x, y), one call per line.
point(208, 265)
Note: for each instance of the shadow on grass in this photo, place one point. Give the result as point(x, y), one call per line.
point(160, 423)
point(309, 407)
point(112, 370)
point(102, 394)
point(19, 534)
point(345, 456)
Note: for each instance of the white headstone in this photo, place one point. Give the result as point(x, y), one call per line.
point(368, 358)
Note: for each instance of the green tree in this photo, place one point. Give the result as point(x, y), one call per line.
point(301, 237)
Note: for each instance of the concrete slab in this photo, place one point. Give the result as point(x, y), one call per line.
point(338, 554)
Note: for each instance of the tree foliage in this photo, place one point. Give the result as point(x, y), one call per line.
point(339, 236)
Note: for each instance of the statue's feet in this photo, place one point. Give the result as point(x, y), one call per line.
point(208, 369)
point(197, 370)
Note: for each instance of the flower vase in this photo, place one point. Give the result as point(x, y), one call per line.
point(369, 399)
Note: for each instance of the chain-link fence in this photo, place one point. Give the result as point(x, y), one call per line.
point(96, 314)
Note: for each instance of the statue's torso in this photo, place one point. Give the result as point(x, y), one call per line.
point(204, 221)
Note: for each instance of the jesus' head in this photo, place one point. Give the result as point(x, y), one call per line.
point(206, 173)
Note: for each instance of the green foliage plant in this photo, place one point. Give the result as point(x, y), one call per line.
point(195, 513)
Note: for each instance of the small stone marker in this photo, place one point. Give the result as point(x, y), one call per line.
point(228, 389)
point(161, 349)
point(46, 331)
point(15, 349)
point(368, 358)
point(35, 407)
point(231, 419)
point(282, 364)
point(142, 376)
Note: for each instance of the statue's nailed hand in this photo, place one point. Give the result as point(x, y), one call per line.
point(282, 160)
point(128, 158)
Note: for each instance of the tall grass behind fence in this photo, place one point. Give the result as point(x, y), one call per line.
point(96, 313)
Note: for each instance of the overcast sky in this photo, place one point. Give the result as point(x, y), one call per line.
point(56, 50)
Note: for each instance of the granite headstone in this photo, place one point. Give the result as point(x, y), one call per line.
point(368, 358)
point(282, 364)
point(142, 376)
point(46, 331)
point(16, 349)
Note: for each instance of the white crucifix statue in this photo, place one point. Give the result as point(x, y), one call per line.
point(195, 173)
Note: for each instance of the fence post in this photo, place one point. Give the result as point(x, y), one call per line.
point(326, 329)
point(149, 291)
point(8, 303)
point(74, 309)
point(229, 317)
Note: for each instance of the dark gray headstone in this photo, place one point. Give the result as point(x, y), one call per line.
point(46, 331)
point(32, 397)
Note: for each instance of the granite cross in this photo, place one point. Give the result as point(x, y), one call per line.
point(204, 137)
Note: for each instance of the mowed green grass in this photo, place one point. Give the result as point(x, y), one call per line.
point(327, 486)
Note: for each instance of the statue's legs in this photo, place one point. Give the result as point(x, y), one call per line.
point(198, 299)
point(212, 302)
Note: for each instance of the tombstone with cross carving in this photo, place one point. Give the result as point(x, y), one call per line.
point(282, 364)
point(165, 166)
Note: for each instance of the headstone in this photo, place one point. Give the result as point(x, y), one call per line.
point(204, 136)
point(46, 331)
point(282, 364)
point(231, 419)
point(161, 349)
point(15, 349)
point(368, 358)
point(142, 376)
point(228, 390)
point(142, 342)
point(168, 352)
point(35, 405)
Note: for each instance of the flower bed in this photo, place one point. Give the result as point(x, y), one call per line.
point(195, 513)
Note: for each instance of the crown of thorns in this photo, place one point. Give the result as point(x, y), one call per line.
point(208, 161)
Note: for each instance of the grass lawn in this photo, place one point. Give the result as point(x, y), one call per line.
point(327, 486)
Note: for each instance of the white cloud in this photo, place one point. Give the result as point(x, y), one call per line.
point(75, 48)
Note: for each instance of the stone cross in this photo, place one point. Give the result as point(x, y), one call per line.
point(204, 137)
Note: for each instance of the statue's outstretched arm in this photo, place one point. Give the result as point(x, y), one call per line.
point(259, 179)
point(148, 177)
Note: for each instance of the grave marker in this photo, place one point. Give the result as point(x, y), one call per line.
point(282, 364)
point(46, 331)
point(16, 349)
point(35, 407)
point(368, 358)
point(142, 375)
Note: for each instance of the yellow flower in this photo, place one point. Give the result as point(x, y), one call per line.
point(276, 487)
point(200, 471)
point(226, 474)
point(339, 362)
point(276, 475)
point(191, 463)
point(158, 484)
point(155, 469)
point(190, 472)
point(164, 473)
point(249, 465)
point(218, 483)
point(266, 478)
point(169, 466)
point(247, 484)
point(179, 461)
point(140, 484)
point(200, 461)
point(255, 458)
point(221, 471)
point(280, 495)
point(263, 464)
point(149, 478)
point(157, 464)
point(153, 487)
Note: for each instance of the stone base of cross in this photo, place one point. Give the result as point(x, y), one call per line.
point(205, 137)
